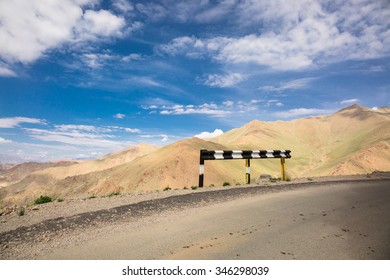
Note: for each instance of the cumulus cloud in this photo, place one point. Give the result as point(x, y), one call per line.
point(16, 121)
point(100, 24)
point(119, 116)
point(298, 35)
point(30, 28)
point(228, 80)
point(208, 135)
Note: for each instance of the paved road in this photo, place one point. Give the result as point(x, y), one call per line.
point(349, 220)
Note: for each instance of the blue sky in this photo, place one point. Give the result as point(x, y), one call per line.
point(81, 78)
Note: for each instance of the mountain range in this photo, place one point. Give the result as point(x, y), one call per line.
point(354, 140)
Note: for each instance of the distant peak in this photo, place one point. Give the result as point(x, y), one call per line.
point(357, 112)
point(253, 123)
point(353, 107)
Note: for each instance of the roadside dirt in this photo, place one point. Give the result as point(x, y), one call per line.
point(45, 224)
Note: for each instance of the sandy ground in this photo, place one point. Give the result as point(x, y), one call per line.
point(344, 219)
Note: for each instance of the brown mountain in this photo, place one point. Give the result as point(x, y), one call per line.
point(352, 141)
point(20, 171)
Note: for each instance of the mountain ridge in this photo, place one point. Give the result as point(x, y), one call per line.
point(354, 140)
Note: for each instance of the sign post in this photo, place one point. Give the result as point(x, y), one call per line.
point(248, 171)
point(282, 162)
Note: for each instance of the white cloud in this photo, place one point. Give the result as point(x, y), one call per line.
point(74, 127)
point(190, 46)
point(144, 81)
point(3, 141)
point(100, 23)
point(82, 135)
point(95, 60)
point(377, 68)
point(228, 103)
point(119, 116)
point(181, 11)
point(152, 10)
point(94, 129)
point(18, 152)
point(30, 28)
point(63, 141)
point(132, 130)
point(208, 135)
point(75, 137)
point(225, 108)
point(266, 103)
point(298, 35)
point(132, 57)
point(6, 72)
point(217, 12)
point(290, 85)
point(164, 137)
point(123, 6)
point(16, 121)
point(299, 112)
point(349, 101)
point(222, 81)
point(205, 109)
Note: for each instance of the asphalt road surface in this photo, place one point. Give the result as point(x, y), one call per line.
point(314, 220)
point(345, 220)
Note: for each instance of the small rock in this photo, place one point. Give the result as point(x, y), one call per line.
point(35, 208)
point(8, 210)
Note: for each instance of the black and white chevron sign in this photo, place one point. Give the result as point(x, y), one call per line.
point(242, 154)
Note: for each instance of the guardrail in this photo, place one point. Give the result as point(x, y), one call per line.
point(242, 154)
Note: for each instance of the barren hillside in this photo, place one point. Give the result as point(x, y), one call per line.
point(355, 140)
point(20, 171)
